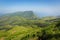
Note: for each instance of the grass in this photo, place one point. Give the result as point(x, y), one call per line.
point(21, 33)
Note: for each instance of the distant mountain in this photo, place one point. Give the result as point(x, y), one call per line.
point(25, 14)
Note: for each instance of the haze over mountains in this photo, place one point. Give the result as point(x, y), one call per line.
point(39, 7)
point(38, 14)
point(25, 14)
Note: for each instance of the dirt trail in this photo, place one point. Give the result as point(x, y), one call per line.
point(2, 38)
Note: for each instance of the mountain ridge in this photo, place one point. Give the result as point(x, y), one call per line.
point(25, 14)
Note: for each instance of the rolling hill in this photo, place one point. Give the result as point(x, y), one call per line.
point(27, 26)
point(17, 18)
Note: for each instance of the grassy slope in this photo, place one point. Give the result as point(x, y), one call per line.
point(20, 33)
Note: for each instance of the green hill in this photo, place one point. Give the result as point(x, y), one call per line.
point(24, 14)
point(27, 26)
point(17, 18)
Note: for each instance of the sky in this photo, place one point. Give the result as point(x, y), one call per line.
point(40, 7)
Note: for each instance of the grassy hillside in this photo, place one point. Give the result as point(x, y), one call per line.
point(27, 26)
point(28, 33)
point(20, 33)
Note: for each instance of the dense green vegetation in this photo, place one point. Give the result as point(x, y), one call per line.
point(27, 26)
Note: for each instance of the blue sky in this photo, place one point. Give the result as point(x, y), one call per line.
point(40, 7)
